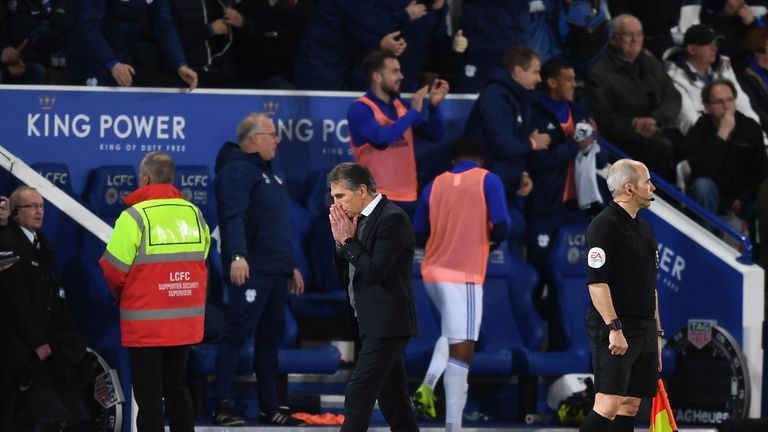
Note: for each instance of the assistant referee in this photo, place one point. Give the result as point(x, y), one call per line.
point(623, 318)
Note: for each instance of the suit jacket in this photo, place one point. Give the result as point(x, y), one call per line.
point(383, 260)
point(32, 311)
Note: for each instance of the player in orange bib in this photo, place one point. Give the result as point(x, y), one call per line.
point(462, 215)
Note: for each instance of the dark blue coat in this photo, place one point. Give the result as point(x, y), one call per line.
point(341, 32)
point(418, 34)
point(491, 26)
point(103, 30)
point(253, 211)
point(548, 168)
point(501, 120)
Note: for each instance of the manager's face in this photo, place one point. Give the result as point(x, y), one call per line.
point(352, 201)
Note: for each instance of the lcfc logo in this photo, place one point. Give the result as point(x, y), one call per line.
point(46, 102)
point(271, 107)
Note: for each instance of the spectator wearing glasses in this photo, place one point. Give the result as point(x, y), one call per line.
point(633, 99)
point(257, 252)
point(726, 153)
point(34, 315)
point(696, 64)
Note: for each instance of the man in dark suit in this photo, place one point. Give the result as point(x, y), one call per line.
point(34, 315)
point(374, 245)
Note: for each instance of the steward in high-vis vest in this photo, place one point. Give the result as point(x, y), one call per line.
point(461, 216)
point(381, 127)
point(155, 265)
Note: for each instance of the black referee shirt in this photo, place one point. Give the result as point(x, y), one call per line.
point(622, 253)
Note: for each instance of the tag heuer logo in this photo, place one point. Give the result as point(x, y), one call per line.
point(700, 332)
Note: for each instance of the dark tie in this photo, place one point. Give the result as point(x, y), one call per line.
point(36, 242)
point(361, 221)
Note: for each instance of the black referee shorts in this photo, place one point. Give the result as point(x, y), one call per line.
point(633, 374)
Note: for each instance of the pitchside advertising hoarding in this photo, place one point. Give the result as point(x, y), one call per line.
point(699, 277)
point(85, 128)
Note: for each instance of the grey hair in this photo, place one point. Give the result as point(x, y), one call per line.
point(15, 199)
point(617, 23)
point(159, 167)
point(248, 125)
point(353, 175)
point(622, 171)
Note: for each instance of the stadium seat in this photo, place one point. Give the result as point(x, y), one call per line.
point(60, 228)
point(320, 242)
point(568, 273)
point(325, 298)
point(499, 335)
point(689, 16)
point(323, 359)
point(196, 186)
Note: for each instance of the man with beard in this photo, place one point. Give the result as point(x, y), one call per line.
point(381, 127)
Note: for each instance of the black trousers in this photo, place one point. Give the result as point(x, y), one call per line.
point(10, 379)
point(158, 372)
point(379, 375)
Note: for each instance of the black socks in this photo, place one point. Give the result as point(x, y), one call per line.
point(594, 422)
point(622, 424)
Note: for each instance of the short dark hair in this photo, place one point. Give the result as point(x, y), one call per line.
point(518, 56)
point(755, 39)
point(706, 92)
point(553, 67)
point(374, 61)
point(466, 148)
point(353, 175)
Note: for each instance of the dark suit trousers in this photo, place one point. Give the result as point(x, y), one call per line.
point(10, 380)
point(379, 374)
point(159, 375)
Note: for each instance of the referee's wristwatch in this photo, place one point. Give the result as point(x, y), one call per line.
point(614, 325)
point(237, 258)
point(660, 332)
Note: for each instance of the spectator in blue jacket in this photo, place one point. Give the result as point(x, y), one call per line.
point(342, 33)
point(491, 27)
point(102, 33)
point(419, 34)
point(257, 253)
point(553, 202)
point(501, 121)
point(382, 125)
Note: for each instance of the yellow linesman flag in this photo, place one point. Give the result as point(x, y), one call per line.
point(662, 419)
